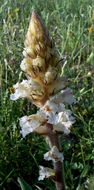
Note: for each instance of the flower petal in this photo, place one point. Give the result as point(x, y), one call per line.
point(64, 122)
point(54, 155)
point(30, 124)
point(59, 84)
point(28, 89)
point(64, 96)
point(21, 90)
point(63, 127)
point(45, 172)
point(52, 107)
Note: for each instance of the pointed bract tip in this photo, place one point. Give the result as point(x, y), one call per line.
point(35, 16)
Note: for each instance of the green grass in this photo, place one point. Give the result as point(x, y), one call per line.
point(68, 23)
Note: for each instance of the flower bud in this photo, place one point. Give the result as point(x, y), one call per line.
point(38, 65)
point(29, 52)
point(50, 75)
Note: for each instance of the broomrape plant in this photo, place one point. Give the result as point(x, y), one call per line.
point(47, 89)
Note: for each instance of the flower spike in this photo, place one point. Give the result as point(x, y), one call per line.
point(47, 89)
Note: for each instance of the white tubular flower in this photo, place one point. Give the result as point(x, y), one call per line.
point(55, 103)
point(54, 155)
point(63, 127)
point(64, 96)
point(45, 172)
point(27, 89)
point(64, 122)
point(51, 110)
point(52, 107)
point(26, 127)
point(65, 116)
point(67, 96)
point(21, 90)
point(56, 114)
point(30, 124)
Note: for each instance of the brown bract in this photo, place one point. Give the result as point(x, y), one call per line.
point(41, 61)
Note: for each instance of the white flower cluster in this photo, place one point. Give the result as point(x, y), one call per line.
point(53, 112)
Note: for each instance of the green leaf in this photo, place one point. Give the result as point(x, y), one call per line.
point(23, 184)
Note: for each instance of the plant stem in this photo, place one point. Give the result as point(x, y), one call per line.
point(58, 166)
point(59, 173)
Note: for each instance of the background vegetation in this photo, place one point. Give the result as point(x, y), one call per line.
point(71, 24)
